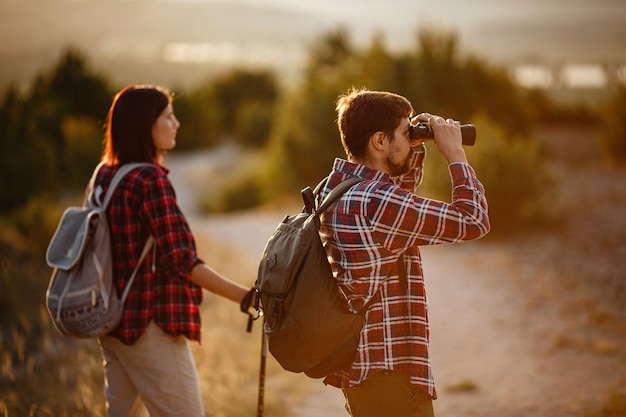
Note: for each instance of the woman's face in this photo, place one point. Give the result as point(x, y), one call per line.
point(164, 130)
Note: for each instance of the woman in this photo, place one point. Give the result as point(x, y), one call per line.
point(147, 356)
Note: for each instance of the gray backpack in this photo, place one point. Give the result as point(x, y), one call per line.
point(306, 319)
point(82, 298)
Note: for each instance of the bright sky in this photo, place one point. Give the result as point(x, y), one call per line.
point(512, 32)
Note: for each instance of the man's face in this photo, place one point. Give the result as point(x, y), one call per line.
point(400, 153)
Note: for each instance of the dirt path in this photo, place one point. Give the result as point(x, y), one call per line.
point(507, 341)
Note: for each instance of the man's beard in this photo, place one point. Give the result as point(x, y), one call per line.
point(402, 168)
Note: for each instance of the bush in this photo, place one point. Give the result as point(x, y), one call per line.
point(200, 117)
point(36, 223)
point(230, 192)
point(253, 123)
point(512, 169)
point(50, 140)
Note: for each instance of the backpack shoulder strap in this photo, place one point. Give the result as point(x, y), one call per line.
point(336, 192)
point(91, 188)
point(331, 198)
point(122, 171)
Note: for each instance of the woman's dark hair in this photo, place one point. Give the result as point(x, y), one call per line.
point(128, 134)
point(361, 113)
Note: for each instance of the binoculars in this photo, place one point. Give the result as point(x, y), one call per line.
point(423, 131)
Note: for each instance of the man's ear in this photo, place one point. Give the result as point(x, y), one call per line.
point(378, 141)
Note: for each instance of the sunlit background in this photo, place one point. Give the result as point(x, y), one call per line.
point(528, 322)
point(561, 43)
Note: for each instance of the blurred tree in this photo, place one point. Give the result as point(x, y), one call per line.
point(200, 117)
point(71, 90)
point(61, 111)
point(514, 172)
point(82, 144)
point(434, 83)
point(26, 157)
point(254, 123)
point(441, 82)
point(305, 139)
point(329, 52)
point(377, 69)
point(238, 89)
point(434, 78)
point(75, 87)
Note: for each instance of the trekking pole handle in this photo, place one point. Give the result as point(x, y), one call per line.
point(246, 303)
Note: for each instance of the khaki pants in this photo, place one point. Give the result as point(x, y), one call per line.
point(388, 394)
point(158, 370)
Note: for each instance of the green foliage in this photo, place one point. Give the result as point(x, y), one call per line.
point(254, 123)
point(305, 139)
point(200, 116)
point(242, 192)
point(240, 91)
point(22, 281)
point(27, 157)
point(36, 222)
point(240, 104)
point(614, 127)
point(70, 90)
point(304, 144)
point(24, 237)
point(544, 110)
point(82, 144)
point(516, 177)
point(52, 137)
point(49, 136)
point(442, 82)
point(514, 172)
point(329, 52)
point(378, 69)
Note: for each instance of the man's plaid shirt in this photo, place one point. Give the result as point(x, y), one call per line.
point(144, 203)
point(365, 232)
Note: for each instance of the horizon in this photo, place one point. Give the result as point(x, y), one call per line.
point(182, 42)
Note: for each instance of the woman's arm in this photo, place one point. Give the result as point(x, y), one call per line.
point(213, 281)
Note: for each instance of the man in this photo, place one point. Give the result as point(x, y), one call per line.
point(374, 232)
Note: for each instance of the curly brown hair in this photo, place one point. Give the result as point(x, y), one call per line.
point(361, 113)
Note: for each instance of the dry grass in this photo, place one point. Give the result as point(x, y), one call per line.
point(229, 358)
point(45, 374)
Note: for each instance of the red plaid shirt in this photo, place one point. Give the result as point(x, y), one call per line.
point(364, 234)
point(144, 204)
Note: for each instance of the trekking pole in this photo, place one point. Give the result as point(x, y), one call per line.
point(262, 372)
point(245, 306)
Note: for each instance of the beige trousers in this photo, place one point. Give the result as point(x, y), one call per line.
point(157, 374)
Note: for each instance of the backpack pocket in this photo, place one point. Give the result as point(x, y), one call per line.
point(284, 254)
point(70, 238)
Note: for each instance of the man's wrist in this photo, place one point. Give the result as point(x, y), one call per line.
point(456, 156)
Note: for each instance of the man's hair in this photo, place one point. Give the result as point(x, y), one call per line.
point(361, 113)
point(128, 135)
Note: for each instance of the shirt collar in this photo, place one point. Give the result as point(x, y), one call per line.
point(359, 170)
